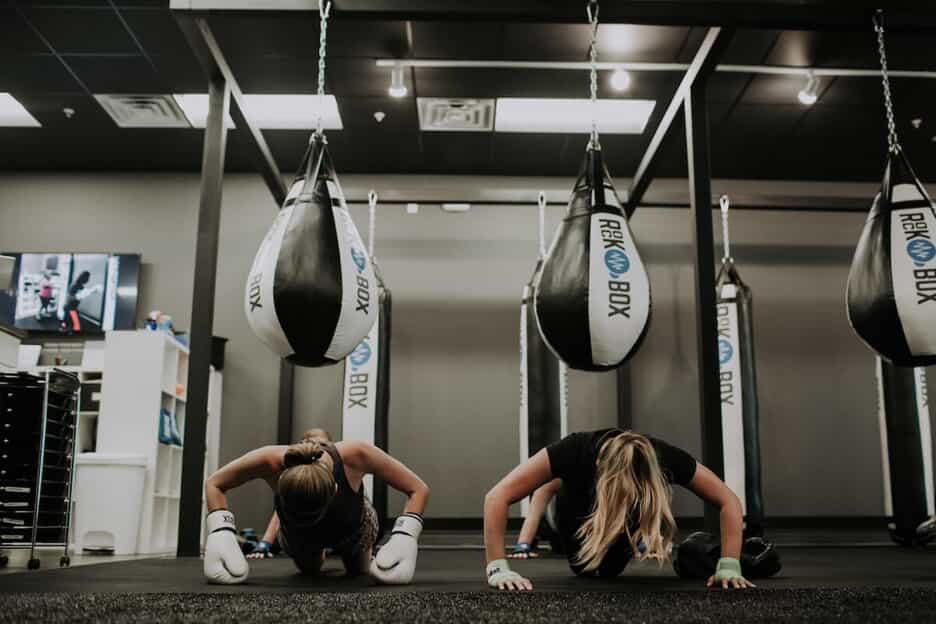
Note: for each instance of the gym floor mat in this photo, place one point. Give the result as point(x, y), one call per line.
point(886, 584)
point(785, 605)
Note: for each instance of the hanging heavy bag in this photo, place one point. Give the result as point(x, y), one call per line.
point(891, 288)
point(592, 299)
point(906, 447)
point(738, 386)
point(311, 294)
point(365, 402)
point(892, 282)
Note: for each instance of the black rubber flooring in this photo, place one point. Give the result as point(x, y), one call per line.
point(817, 584)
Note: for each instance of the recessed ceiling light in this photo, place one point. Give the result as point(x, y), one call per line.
point(620, 80)
point(271, 112)
point(572, 115)
point(14, 114)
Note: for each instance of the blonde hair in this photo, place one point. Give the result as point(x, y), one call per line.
point(629, 483)
point(307, 485)
point(315, 434)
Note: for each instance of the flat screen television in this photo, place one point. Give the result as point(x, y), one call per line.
point(71, 293)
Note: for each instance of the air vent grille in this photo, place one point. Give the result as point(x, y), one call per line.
point(456, 114)
point(143, 111)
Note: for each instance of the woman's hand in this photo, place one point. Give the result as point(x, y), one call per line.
point(728, 575)
point(523, 550)
point(500, 576)
point(263, 550)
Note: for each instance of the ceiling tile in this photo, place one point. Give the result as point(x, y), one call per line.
point(458, 40)
point(126, 74)
point(358, 113)
point(457, 152)
point(49, 108)
point(86, 31)
point(35, 73)
point(750, 47)
point(16, 37)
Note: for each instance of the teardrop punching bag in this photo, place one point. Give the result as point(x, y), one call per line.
point(311, 293)
point(592, 300)
point(738, 384)
point(892, 283)
point(543, 398)
point(365, 400)
point(907, 453)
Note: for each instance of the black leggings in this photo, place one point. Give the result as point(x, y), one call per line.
point(612, 564)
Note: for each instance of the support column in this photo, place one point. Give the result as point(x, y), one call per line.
point(203, 302)
point(700, 192)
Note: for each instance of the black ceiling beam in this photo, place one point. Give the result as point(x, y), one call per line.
point(702, 66)
point(902, 15)
point(209, 55)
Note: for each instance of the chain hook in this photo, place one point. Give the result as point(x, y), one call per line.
point(892, 141)
point(542, 223)
point(324, 10)
point(591, 10)
point(724, 202)
point(372, 222)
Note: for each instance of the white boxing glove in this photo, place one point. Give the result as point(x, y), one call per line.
point(224, 562)
point(395, 563)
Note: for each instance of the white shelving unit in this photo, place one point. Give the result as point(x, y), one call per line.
point(148, 371)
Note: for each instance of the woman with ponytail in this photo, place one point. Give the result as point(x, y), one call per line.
point(613, 505)
point(319, 498)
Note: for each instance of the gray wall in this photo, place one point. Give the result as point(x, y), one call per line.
point(456, 281)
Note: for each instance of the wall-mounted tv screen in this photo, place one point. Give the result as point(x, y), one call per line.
point(71, 292)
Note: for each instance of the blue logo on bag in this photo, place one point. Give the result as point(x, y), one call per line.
point(617, 262)
point(360, 260)
point(724, 351)
point(360, 355)
point(922, 251)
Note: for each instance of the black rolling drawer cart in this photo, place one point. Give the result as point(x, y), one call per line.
point(38, 432)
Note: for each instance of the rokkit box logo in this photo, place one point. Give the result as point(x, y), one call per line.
point(358, 388)
point(922, 252)
point(618, 264)
point(729, 374)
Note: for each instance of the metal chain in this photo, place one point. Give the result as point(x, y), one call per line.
point(324, 10)
point(724, 202)
point(372, 225)
point(592, 12)
point(542, 224)
point(892, 142)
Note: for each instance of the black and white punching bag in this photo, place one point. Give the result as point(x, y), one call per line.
point(543, 377)
point(365, 402)
point(738, 383)
point(892, 283)
point(592, 299)
point(311, 293)
point(907, 453)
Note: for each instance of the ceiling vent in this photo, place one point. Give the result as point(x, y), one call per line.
point(143, 111)
point(456, 115)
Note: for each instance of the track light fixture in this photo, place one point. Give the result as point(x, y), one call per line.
point(810, 93)
point(397, 82)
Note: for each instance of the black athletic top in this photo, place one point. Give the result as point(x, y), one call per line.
point(573, 459)
point(341, 521)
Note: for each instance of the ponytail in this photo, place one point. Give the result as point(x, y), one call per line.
point(307, 485)
point(631, 498)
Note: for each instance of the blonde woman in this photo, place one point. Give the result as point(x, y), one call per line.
point(266, 547)
point(320, 502)
point(613, 505)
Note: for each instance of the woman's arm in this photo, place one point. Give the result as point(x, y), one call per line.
point(707, 486)
point(538, 503)
point(367, 458)
point(261, 463)
point(522, 480)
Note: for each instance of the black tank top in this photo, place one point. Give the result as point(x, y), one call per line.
point(341, 521)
